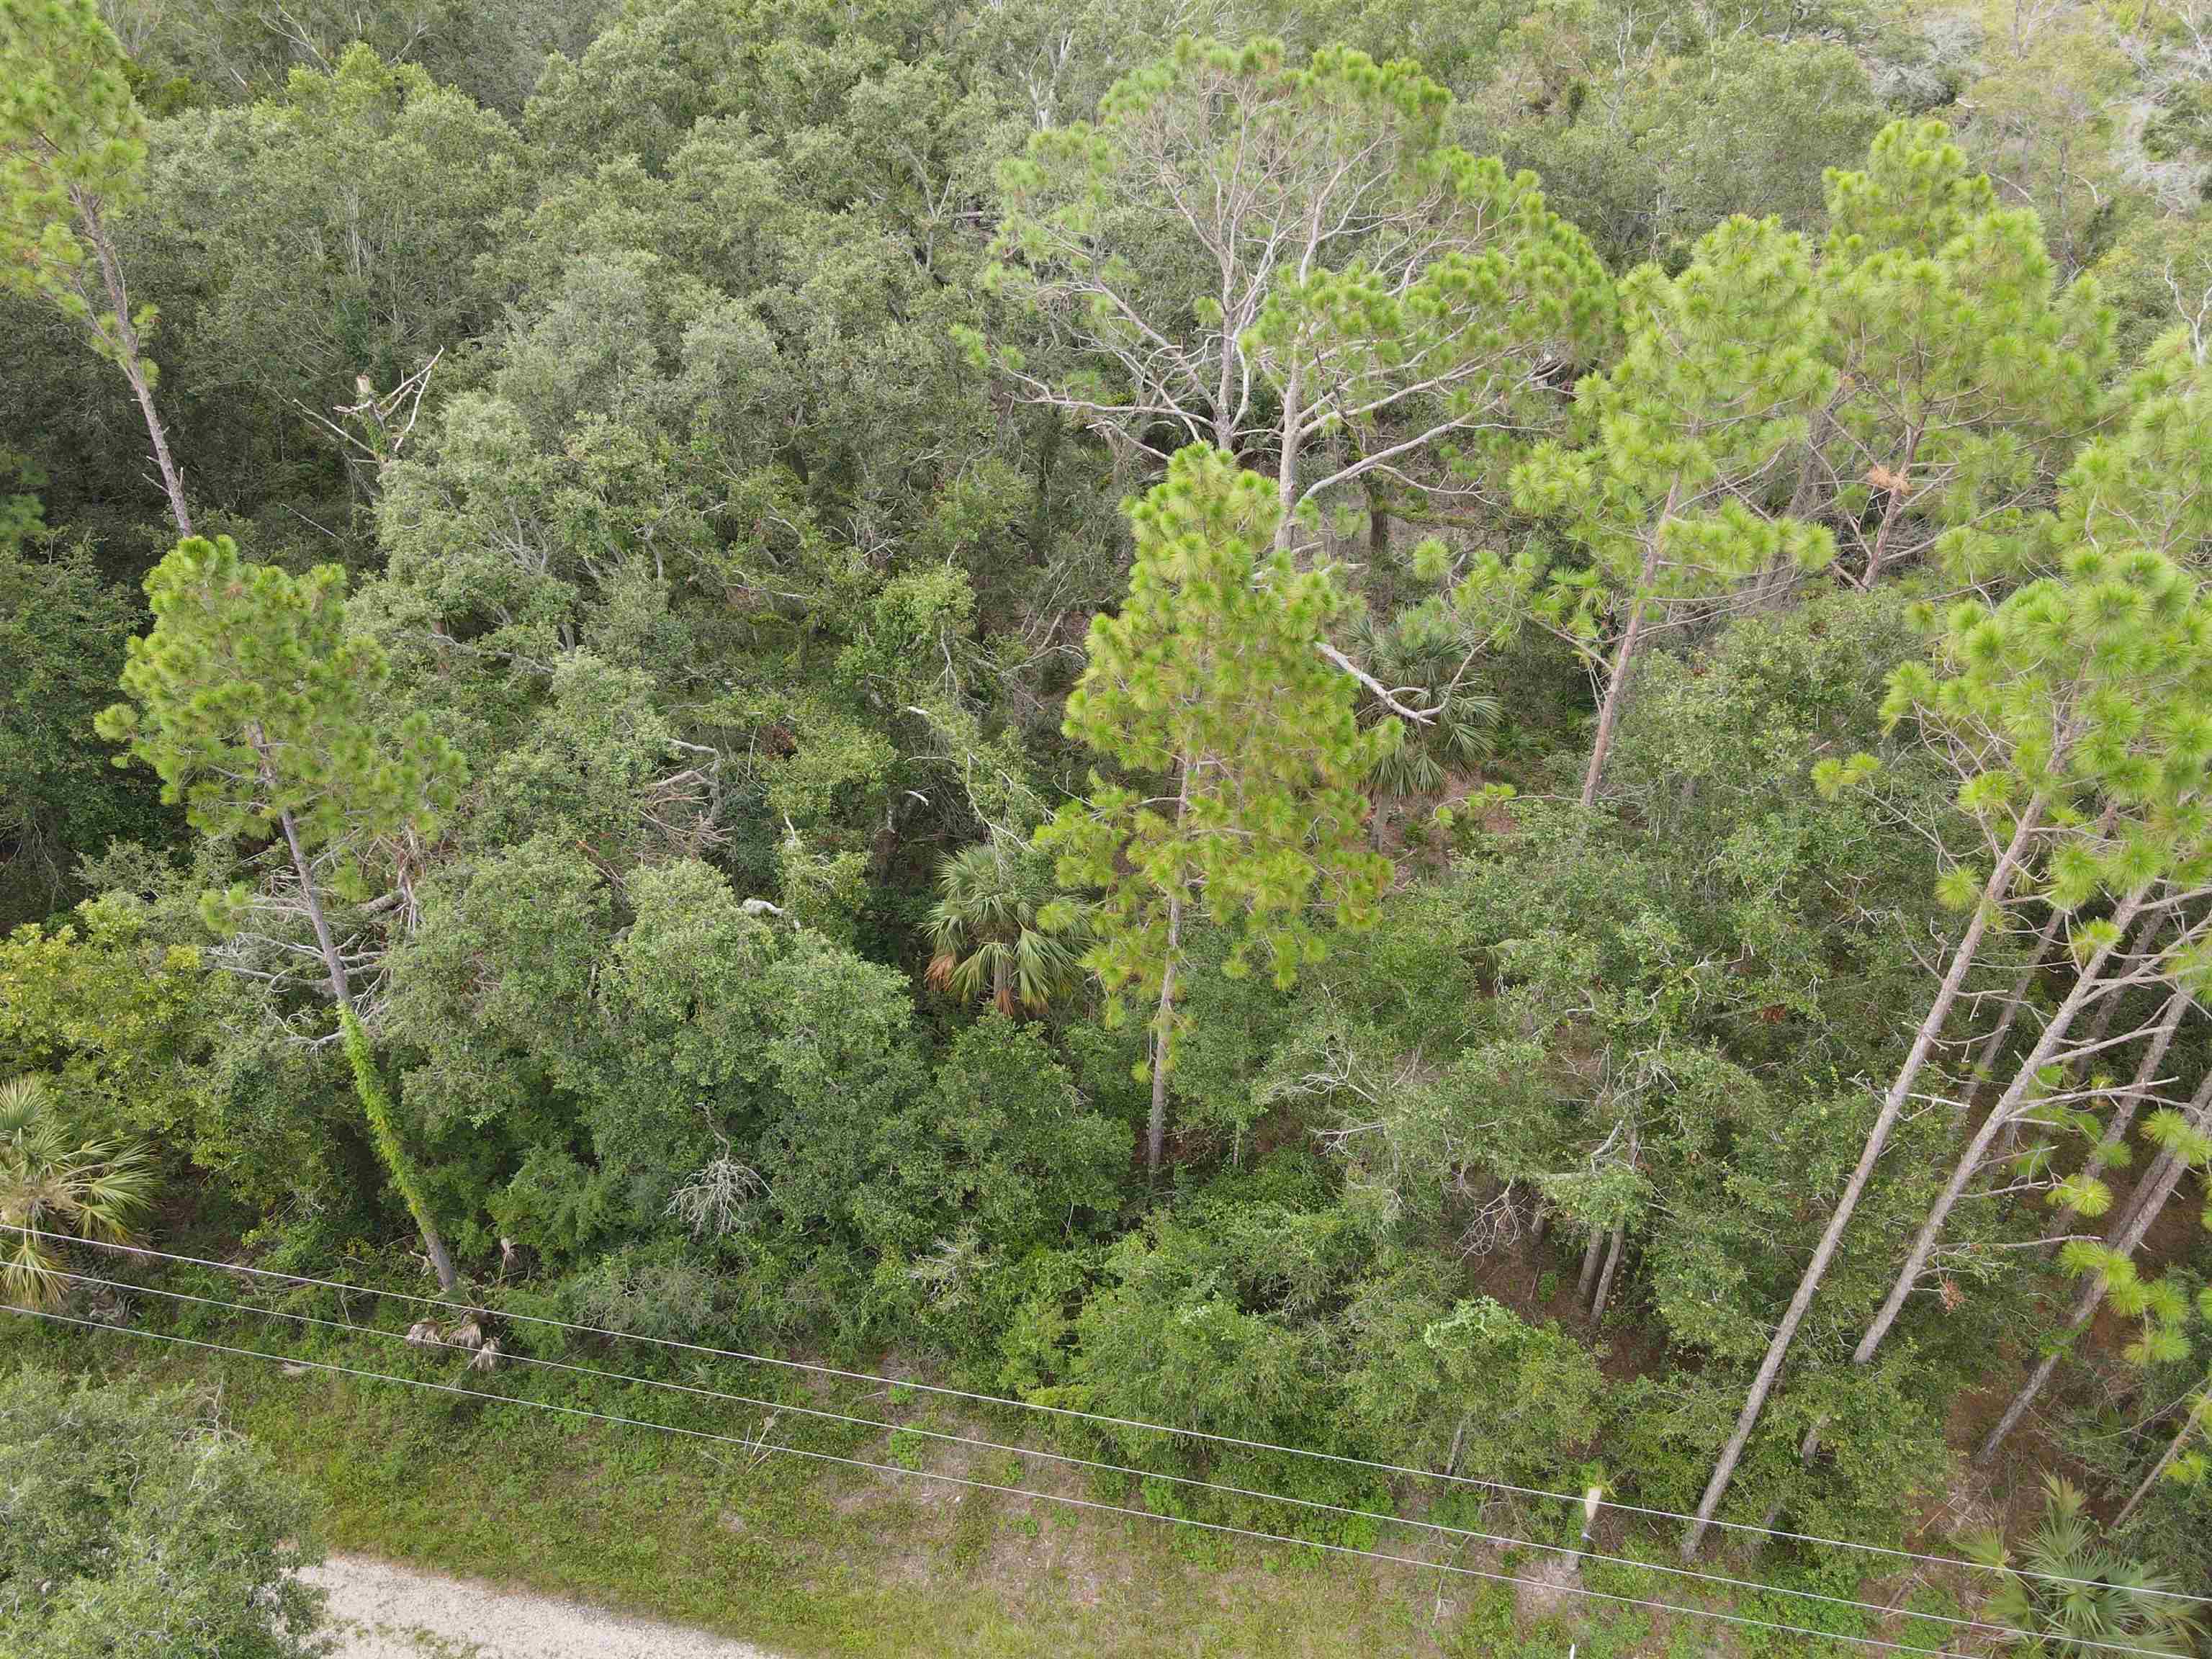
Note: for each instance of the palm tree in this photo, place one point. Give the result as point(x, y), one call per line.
point(984, 929)
point(51, 1182)
point(2089, 1599)
point(1419, 652)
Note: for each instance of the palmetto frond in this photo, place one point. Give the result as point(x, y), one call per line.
point(1418, 651)
point(53, 1181)
point(988, 945)
point(2087, 1599)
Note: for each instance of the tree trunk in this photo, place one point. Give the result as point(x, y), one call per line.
point(2163, 1177)
point(2130, 1102)
point(1986, 1059)
point(1891, 512)
point(434, 1243)
point(2190, 1418)
point(2145, 936)
point(1593, 1254)
point(1963, 1171)
point(1155, 1130)
point(1611, 1265)
point(1892, 1106)
point(127, 356)
point(1623, 656)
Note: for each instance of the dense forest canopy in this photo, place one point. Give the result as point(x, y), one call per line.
point(1476, 736)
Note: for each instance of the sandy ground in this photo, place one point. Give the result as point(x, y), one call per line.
point(380, 1611)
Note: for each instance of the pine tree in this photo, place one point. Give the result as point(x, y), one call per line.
point(2039, 702)
point(1211, 681)
point(1720, 372)
point(72, 156)
point(1964, 371)
point(254, 706)
point(2185, 1138)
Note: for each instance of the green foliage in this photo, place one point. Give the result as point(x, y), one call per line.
point(139, 1526)
point(1181, 255)
point(114, 1016)
point(1967, 371)
point(72, 145)
point(1512, 1401)
point(984, 929)
point(53, 1180)
point(254, 706)
point(62, 636)
point(1209, 677)
point(714, 637)
point(2104, 1597)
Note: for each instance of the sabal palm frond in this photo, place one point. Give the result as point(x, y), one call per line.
point(53, 1181)
point(988, 945)
point(1418, 651)
point(2085, 1598)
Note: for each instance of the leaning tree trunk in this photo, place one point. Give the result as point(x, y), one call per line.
point(2130, 1102)
point(2164, 1175)
point(1893, 1108)
point(128, 357)
point(1969, 1161)
point(1985, 1058)
point(2199, 1409)
point(374, 1101)
point(1623, 656)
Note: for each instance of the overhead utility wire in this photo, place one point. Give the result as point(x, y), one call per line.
point(743, 1356)
point(1317, 1505)
point(758, 1448)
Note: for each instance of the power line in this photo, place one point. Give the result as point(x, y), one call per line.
point(743, 1356)
point(1315, 1506)
point(757, 1448)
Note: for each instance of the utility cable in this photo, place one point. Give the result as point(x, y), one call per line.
point(944, 1391)
point(1310, 1504)
point(758, 1448)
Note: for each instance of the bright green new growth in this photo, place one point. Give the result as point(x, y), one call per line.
point(255, 706)
point(1721, 370)
point(72, 137)
point(1964, 370)
point(72, 151)
point(1210, 678)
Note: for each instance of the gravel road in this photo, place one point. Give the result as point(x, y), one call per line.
point(380, 1611)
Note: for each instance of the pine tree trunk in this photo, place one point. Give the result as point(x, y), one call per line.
point(387, 1142)
point(1156, 1128)
point(1986, 1059)
point(1892, 1106)
point(2163, 1177)
point(2190, 1418)
point(2137, 948)
point(1891, 512)
point(1623, 656)
point(95, 226)
point(1611, 1265)
point(1969, 1161)
point(2130, 1102)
